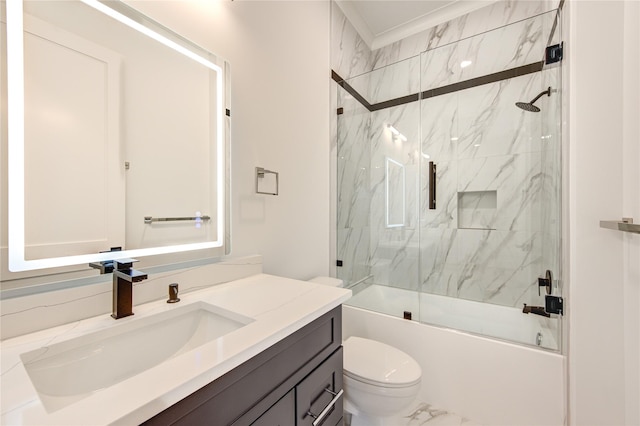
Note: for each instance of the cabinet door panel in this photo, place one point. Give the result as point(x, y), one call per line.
point(282, 413)
point(318, 390)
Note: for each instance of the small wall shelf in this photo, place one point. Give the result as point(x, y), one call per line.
point(625, 225)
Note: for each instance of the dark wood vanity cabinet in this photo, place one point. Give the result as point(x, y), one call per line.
point(291, 383)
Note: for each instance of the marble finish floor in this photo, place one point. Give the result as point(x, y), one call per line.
point(421, 414)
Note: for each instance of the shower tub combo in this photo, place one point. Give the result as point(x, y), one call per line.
point(449, 216)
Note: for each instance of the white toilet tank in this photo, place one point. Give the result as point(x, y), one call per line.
point(330, 281)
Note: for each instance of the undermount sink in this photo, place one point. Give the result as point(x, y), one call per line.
point(66, 372)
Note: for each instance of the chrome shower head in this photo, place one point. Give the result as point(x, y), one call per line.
point(529, 106)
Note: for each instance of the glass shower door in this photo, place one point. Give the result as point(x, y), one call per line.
point(378, 188)
point(495, 226)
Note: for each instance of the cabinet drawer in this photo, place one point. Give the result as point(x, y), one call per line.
point(318, 397)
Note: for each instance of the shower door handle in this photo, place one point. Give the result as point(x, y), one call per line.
point(432, 185)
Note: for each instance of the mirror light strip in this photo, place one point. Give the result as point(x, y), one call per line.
point(15, 131)
point(150, 33)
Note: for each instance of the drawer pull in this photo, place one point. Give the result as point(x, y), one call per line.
point(320, 417)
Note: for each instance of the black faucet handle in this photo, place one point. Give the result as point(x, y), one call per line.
point(124, 264)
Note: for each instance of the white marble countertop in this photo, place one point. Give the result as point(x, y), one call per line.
point(279, 306)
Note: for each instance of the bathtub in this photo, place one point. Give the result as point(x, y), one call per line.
point(486, 319)
point(487, 380)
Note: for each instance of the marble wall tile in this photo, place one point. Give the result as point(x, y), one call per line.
point(490, 124)
point(494, 16)
point(353, 164)
point(350, 55)
point(394, 81)
point(353, 244)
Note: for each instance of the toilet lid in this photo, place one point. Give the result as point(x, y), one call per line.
point(374, 362)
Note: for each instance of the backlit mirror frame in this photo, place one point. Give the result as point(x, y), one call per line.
point(15, 130)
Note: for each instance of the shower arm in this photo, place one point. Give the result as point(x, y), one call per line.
point(546, 92)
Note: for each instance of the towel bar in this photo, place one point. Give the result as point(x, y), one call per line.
point(625, 225)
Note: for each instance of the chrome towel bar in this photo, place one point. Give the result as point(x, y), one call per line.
point(150, 219)
point(625, 225)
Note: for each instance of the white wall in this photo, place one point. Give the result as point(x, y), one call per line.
point(279, 55)
point(604, 106)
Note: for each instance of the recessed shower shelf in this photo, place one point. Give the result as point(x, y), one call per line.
point(625, 225)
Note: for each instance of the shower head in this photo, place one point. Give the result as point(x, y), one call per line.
point(529, 106)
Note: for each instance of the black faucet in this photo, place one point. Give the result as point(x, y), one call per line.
point(123, 279)
point(538, 310)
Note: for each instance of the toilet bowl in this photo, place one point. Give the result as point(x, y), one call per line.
point(379, 381)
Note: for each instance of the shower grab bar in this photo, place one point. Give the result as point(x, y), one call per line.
point(626, 225)
point(150, 219)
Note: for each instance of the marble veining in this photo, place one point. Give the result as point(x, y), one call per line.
point(424, 414)
point(38, 311)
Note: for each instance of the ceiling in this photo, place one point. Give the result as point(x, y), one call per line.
point(382, 22)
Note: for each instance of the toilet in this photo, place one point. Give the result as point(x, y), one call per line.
point(379, 380)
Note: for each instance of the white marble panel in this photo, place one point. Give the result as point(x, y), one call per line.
point(508, 47)
point(350, 55)
point(353, 244)
point(494, 16)
point(439, 261)
point(517, 179)
point(511, 46)
point(489, 122)
point(353, 164)
point(394, 81)
point(439, 122)
point(440, 67)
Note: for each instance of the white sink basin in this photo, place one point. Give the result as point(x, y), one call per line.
point(66, 372)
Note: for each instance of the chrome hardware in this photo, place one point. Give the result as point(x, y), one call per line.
point(150, 219)
point(539, 339)
point(260, 173)
point(320, 417)
point(173, 293)
point(625, 225)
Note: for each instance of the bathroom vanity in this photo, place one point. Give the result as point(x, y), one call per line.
point(291, 383)
point(266, 350)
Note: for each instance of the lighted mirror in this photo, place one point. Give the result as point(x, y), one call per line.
point(395, 193)
point(116, 136)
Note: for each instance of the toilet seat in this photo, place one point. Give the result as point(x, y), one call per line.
point(378, 364)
